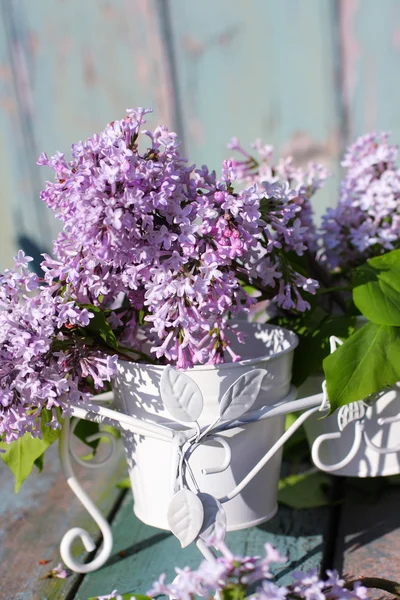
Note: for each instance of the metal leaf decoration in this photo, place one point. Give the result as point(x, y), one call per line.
point(241, 395)
point(185, 516)
point(214, 523)
point(181, 395)
point(351, 412)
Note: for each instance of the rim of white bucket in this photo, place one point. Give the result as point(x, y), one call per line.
point(292, 338)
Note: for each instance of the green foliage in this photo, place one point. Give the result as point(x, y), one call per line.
point(305, 490)
point(368, 361)
point(39, 463)
point(99, 328)
point(84, 429)
point(377, 289)
point(124, 484)
point(26, 451)
point(296, 447)
point(234, 592)
point(314, 330)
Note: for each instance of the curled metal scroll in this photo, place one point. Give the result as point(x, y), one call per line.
point(101, 435)
point(78, 532)
point(326, 437)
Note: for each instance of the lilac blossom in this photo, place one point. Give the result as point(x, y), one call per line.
point(162, 249)
point(43, 361)
point(173, 243)
point(59, 572)
point(251, 577)
point(303, 184)
point(366, 221)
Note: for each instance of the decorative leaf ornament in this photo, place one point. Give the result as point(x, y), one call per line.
point(351, 412)
point(185, 516)
point(241, 395)
point(181, 395)
point(214, 523)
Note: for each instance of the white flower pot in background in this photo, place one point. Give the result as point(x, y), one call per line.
point(358, 440)
point(152, 462)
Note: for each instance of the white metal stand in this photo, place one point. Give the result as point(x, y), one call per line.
point(185, 445)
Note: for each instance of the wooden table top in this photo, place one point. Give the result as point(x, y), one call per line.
point(359, 534)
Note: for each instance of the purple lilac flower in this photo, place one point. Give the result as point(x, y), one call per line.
point(42, 363)
point(366, 221)
point(303, 184)
point(174, 245)
point(59, 572)
point(228, 571)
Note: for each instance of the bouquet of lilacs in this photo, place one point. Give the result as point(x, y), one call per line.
point(231, 576)
point(154, 261)
point(355, 258)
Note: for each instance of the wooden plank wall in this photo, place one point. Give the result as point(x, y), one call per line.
point(305, 75)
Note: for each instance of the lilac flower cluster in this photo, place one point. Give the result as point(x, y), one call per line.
point(163, 250)
point(303, 184)
point(42, 363)
point(242, 574)
point(366, 221)
point(167, 247)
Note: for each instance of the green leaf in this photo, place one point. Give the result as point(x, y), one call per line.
point(39, 463)
point(314, 346)
point(306, 490)
point(124, 484)
point(22, 454)
point(85, 429)
point(377, 289)
point(314, 330)
point(368, 361)
point(99, 328)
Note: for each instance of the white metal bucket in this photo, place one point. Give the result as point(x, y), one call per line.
point(358, 440)
point(150, 461)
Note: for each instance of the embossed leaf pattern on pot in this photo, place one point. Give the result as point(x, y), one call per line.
point(185, 516)
point(214, 523)
point(181, 395)
point(242, 394)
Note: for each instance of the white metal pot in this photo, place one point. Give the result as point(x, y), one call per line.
point(359, 439)
point(151, 461)
point(203, 447)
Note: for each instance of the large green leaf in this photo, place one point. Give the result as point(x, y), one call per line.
point(377, 289)
point(22, 454)
point(368, 361)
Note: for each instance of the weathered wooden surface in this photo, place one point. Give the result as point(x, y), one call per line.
point(263, 69)
point(66, 70)
point(370, 43)
point(33, 523)
point(360, 537)
point(142, 553)
point(368, 539)
point(305, 76)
